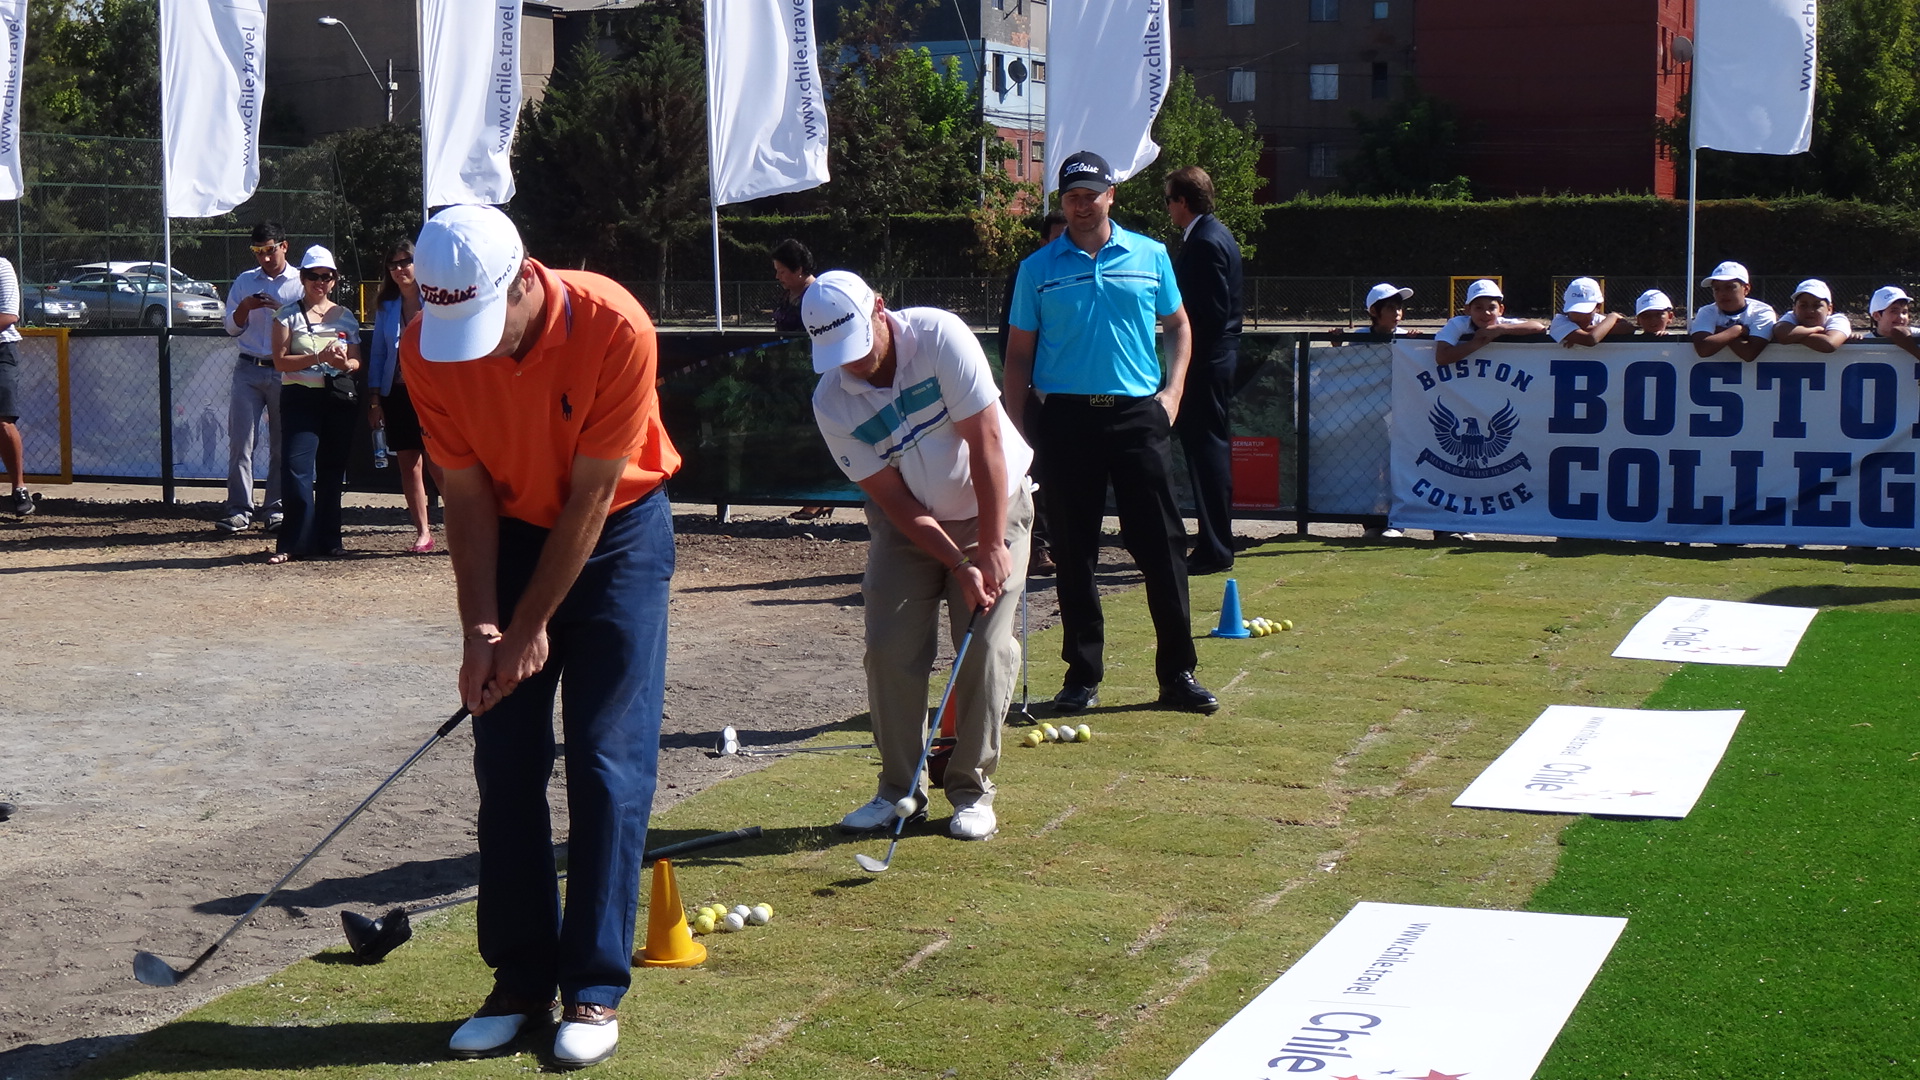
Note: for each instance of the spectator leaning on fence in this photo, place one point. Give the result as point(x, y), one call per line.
point(1386, 307)
point(13, 452)
point(1483, 321)
point(1813, 322)
point(257, 293)
point(1891, 311)
point(1579, 321)
point(1652, 314)
point(1734, 320)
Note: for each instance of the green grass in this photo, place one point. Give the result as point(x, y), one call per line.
point(1771, 932)
point(1146, 885)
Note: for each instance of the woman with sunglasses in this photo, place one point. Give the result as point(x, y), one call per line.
point(388, 406)
point(314, 339)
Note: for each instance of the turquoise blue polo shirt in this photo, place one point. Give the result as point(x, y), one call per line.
point(1096, 314)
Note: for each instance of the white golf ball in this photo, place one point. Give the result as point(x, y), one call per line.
point(733, 921)
point(742, 910)
point(760, 914)
point(906, 806)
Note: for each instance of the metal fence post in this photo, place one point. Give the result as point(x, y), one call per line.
point(166, 414)
point(1302, 435)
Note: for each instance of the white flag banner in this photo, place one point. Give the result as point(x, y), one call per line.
point(13, 17)
point(1636, 762)
point(212, 78)
point(1406, 992)
point(1754, 66)
point(1109, 65)
point(469, 98)
point(1692, 631)
point(766, 111)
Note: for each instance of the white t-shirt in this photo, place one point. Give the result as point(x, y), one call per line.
point(1835, 321)
point(941, 376)
point(1460, 328)
point(1756, 316)
point(1561, 326)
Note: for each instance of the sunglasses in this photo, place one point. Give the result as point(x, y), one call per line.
point(317, 275)
point(262, 249)
point(399, 264)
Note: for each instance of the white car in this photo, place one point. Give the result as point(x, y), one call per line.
point(181, 282)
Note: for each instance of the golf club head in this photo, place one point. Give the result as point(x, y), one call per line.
point(372, 939)
point(154, 971)
point(868, 863)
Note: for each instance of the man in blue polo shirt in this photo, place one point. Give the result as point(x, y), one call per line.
point(1081, 334)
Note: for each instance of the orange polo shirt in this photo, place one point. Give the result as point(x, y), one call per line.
point(585, 388)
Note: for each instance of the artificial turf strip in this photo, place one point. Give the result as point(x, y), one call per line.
point(1143, 886)
point(1772, 931)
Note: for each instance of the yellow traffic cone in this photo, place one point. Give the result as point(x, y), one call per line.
point(669, 942)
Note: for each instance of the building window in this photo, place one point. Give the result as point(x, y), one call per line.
point(1323, 11)
point(1239, 12)
point(999, 73)
point(1382, 88)
point(1039, 71)
point(1379, 9)
point(1323, 82)
point(1320, 162)
point(1186, 12)
point(1241, 88)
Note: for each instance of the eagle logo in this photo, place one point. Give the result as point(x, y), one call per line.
point(1464, 439)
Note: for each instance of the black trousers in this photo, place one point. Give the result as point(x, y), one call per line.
point(1207, 442)
point(1082, 447)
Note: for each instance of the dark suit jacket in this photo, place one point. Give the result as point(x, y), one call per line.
point(1208, 270)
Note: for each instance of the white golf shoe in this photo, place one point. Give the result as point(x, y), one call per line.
point(498, 1023)
point(588, 1035)
point(878, 815)
point(974, 822)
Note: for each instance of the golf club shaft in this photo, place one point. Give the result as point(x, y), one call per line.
point(700, 843)
point(445, 728)
point(1024, 588)
point(770, 751)
point(933, 723)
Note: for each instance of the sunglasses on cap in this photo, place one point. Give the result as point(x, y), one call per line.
point(317, 275)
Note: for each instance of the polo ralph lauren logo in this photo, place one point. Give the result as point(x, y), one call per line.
point(566, 409)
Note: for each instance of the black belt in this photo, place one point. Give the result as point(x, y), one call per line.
point(261, 361)
point(1097, 401)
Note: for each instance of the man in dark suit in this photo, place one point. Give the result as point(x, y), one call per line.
point(1208, 270)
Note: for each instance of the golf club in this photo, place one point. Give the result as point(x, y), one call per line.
point(154, 971)
point(730, 747)
point(867, 862)
point(1025, 715)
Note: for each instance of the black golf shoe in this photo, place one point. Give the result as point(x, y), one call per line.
point(1185, 693)
point(1074, 698)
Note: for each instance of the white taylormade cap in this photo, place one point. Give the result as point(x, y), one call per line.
point(464, 260)
point(1653, 300)
point(837, 311)
point(1382, 291)
point(1583, 294)
point(1484, 287)
point(1813, 286)
point(1726, 271)
point(1884, 297)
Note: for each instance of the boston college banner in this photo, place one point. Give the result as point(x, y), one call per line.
point(1637, 441)
point(213, 56)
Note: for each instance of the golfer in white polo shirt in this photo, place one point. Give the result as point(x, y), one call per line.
point(910, 413)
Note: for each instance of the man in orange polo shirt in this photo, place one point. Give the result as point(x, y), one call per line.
point(535, 390)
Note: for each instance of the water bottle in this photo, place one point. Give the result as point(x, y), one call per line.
point(381, 455)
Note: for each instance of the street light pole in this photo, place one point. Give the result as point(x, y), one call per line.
point(387, 85)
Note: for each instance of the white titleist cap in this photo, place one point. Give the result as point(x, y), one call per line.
point(464, 260)
point(837, 311)
point(1726, 271)
point(1484, 287)
point(318, 257)
point(1583, 294)
point(1813, 286)
point(1653, 300)
point(1382, 291)
point(1884, 297)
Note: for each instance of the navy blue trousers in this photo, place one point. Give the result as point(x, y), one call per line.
point(316, 431)
point(607, 658)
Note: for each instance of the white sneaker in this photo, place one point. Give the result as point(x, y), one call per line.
point(492, 1030)
point(877, 815)
point(588, 1035)
point(974, 822)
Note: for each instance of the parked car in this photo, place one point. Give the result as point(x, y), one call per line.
point(50, 311)
point(134, 300)
point(181, 282)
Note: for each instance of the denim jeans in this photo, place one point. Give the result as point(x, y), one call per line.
point(316, 433)
point(607, 657)
point(254, 388)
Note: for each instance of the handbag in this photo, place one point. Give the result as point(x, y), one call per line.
point(343, 388)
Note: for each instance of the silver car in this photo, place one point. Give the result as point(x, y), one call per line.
point(181, 282)
point(134, 300)
point(46, 311)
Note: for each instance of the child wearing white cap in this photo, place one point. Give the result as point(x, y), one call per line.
point(1734, 320)
point(1483, 321)
point(1386, 306)
point(1891, 312)
point(1652, 314)
point(1580, 321)
point(1813, 322)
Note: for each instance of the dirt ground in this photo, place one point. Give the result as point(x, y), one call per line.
point(182, 722)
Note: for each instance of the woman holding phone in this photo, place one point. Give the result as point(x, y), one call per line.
point(315, 343)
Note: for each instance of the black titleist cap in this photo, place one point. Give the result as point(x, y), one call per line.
point(1086, 169)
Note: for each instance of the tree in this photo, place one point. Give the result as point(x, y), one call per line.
point(1191, 130)
point(92, 67)
point(378, 170)
point(1410, 149)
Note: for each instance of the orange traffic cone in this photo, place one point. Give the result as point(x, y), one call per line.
point(669, 941)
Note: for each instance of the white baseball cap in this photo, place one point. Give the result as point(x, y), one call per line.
point(1884, 297)
point(464, 260)
point(320, 257)
point(837, 310)
point(1726, 271)
point(1653, 300)
point(1813, 286)
point(1382, 291)
point(1582, 295)
point(1484, 287)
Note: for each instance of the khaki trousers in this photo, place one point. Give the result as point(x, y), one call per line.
point(903, 590)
